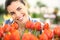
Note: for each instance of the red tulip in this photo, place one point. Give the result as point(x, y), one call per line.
point(49, 33)
point(29, 25)
point(43, 36)
point(37, 26)
point(6, 28)
point(15, 25)
point(1, 32)
point(57, 31)
point(46, 26)
point(15, 35)
point(29, 36)
point(7, 36)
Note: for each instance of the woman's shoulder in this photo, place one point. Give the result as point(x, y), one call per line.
point(9, 21)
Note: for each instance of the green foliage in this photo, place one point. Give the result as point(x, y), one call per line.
point(37, 15)
point(39, 4)
point(1, 19)
point(2, 10)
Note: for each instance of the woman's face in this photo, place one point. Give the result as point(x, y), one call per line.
point(18, 11)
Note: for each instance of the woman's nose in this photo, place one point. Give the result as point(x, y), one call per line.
point(18, 14)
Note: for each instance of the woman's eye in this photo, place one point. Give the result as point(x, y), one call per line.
point(12, 13)
point(18, 9)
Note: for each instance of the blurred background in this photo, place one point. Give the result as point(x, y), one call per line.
point(42, 10)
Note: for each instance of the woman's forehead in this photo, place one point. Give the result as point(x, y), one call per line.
point(14, 5)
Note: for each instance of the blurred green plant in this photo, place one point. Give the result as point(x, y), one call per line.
point(57, 19)
point(1, 19)
point(39, 4)
point(36, 15)
point(2, 10)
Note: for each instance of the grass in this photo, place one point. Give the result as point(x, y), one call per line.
point(1, 19)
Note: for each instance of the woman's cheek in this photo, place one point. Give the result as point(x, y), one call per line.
point(13, 17)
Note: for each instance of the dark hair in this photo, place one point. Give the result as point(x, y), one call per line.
point(8, 2)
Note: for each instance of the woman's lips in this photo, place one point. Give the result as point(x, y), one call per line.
point(21, 18)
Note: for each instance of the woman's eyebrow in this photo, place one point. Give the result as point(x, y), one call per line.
point(18, 8)
point(12, 13)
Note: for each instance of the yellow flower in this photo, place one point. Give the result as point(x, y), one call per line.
point(6, 17)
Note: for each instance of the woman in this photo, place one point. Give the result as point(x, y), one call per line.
point(18, 11)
